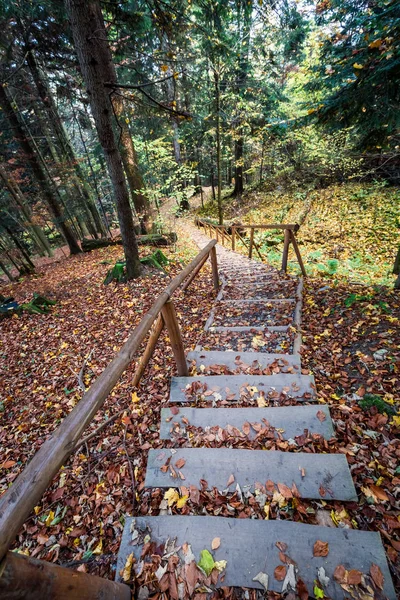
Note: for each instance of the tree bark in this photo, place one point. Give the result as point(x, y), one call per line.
point(97, 68)
point(130, 162)
point(39, 173)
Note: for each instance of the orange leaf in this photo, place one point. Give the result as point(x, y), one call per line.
point(285, 491)
point(280, 573)
point(377, 576)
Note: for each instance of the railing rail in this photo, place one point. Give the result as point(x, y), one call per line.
point(232, 233)
point(25, 493)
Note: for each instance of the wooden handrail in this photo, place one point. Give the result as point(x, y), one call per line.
point(26, 491)
point(289, 230)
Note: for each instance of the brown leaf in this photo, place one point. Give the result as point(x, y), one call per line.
point(322, 491)
point(246, 428)
point(340, 574)
point(321, 548)
point(280, 573)
point(180, 463)
point(270, 486)
point(354, 577)
point(379, 493)
point(215, 543)
point(377, 576)
point(174, 410)
point(285, 491)
point(321, 416)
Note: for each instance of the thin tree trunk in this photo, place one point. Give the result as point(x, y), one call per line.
point(39, 173)
point(97, 68)
point(218, 134)
point(46, 96)
point(396, 270)
point(37, 232)
point(6, 271)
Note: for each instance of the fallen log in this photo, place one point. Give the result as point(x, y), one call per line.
point(154, 239)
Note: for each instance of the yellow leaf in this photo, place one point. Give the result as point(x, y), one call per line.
point(171, 496)
point(37, 510)
point(126, 573)
point(358, 66)
point(375, 44)
point(395, 421)
point(182, 501)
point(99, 547)
point(50, 517)
point(266, 510)
point(164, 68)
point(261, 403)
point(135, 397)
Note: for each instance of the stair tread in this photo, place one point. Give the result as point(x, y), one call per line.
point(328, 473)
point(248, 546)
point(293, 420)
point(233, 359)
point(297, 386)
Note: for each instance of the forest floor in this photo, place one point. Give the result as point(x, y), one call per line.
point(351, 343)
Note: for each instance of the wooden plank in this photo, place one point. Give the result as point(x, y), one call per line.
point(233, 359)
point(323, 472)
point(174, 333)
point(295, 386)
point(249, 547)
point(290, 420)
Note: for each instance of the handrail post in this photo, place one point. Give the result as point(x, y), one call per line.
point(285, 250)
point(214, 267)
point(233, 237)
point(174, 332)
point(155, 333)
point(251, 242)
point(31, 579)
point(296, 249)
point(222, 236)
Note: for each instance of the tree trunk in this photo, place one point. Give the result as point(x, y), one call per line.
point(39, 173)
point(396, 270)
point(6, 271)
point(244, 25)
point(41, 83)
point(130, 162)
point(97, 68)
point(218, 131)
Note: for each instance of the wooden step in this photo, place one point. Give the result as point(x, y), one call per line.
point(291, 421)
point(249, 547)
point(235, 360)
point(233, 387)
point(316, 476)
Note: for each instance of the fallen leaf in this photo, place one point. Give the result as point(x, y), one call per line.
point(280, 573)
point(377, 576)
point(263, 579)
point(180, 463)
point(321, 416)
point(354, 577)
point(126, 571)
point(206, 562)
point(231, 480)
point(321, 548)
point(215, 543)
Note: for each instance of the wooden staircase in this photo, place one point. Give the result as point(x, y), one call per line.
point(246, 378)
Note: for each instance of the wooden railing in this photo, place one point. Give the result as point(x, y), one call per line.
point(232, 234)
point(39, 577)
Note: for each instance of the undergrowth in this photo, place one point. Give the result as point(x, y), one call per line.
point(349, 230)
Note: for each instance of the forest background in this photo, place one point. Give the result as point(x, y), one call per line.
point(275, 111)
